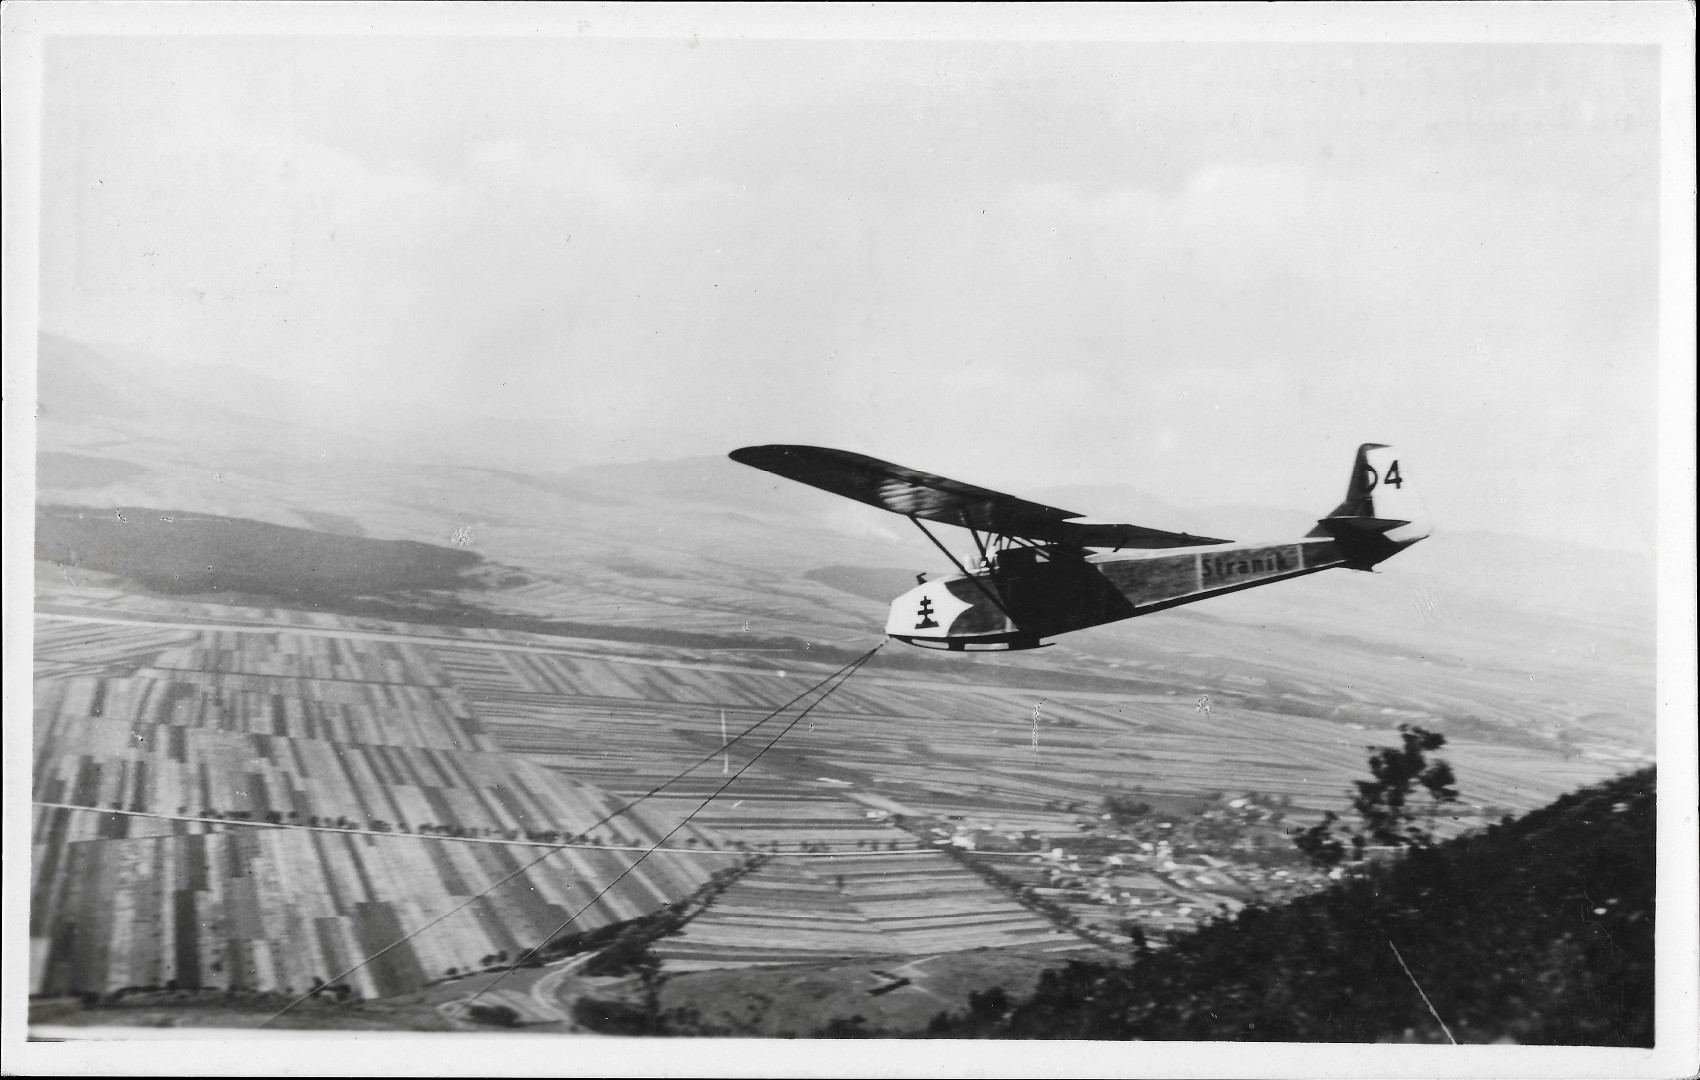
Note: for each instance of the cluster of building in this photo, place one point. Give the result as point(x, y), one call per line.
point(1164, 872)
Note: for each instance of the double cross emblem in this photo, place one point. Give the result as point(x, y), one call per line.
point(924, 615)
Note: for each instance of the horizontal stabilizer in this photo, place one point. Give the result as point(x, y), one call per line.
point(1337, 526)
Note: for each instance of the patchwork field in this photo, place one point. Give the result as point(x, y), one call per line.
point(794, 910)
point(253, 798)
point(309, 704)
point(252, 810)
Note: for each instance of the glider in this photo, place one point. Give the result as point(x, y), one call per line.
point(1041, 572)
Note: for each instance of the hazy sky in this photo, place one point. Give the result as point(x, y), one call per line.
point(1206, 270)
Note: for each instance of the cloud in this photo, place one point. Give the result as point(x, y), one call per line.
point(1060, 264)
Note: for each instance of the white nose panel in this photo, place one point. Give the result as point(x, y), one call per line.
point(925, 611)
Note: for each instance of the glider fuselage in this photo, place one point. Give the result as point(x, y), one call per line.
point(1053, 596)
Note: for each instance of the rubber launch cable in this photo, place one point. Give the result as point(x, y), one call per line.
point(844, 671)
point(529, 953)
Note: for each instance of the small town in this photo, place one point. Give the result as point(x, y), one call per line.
point(1131, 866)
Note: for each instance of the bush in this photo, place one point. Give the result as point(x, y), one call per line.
point(609, 1017)
point(854, 1027)
point(500, 1015)
point(1535, 931)
point(1124, 810)
point(988, 1004)
point(629, 954)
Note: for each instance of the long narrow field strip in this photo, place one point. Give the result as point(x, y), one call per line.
point(392, 714)
point(281, 779)
point(784, 823)
point(244, 797)
point(229, 823)
point(273, 909)
point(825, 687)
point(267, 621)
point(788, 913)
point(165, 886)
point(115, 645)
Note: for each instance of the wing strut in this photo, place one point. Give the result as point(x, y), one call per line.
point(978, 583)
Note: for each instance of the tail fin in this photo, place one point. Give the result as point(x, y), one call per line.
point(1382, 514)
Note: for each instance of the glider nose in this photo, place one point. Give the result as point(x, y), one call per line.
point(925, 611)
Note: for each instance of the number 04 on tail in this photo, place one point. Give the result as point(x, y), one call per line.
point(1040, 572)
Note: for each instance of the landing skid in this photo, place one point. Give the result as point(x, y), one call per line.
point(1012, 644)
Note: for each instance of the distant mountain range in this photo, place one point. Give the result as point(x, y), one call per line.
point(704, 545)
point(225, 407)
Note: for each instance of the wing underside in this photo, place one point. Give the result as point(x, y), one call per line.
point(914, 493)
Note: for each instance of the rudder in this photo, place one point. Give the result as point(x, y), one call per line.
point(1382, 514)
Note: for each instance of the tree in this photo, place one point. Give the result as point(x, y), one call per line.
point(1384, 802)
point(628, 953)
point(1124, 810)
point(1136, 935)
point(1319, 841)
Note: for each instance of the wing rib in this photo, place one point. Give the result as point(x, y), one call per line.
point(917, 494)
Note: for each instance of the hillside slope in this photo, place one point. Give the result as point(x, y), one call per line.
point(1538, 930)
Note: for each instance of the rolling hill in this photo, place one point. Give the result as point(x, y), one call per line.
point(1538, 930)
point(267, 584)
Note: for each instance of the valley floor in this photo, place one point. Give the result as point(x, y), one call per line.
point(257, 800)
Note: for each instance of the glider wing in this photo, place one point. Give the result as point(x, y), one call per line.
point(913, 493)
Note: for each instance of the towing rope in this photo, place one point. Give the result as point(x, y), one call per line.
point(842, 674)
point(847, 671)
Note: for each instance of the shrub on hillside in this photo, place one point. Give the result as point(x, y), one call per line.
point(1538, 930)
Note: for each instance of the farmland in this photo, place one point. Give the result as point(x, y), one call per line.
point(793, 911)
point(397, 686)
point(252, 798)
point(277, 807)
